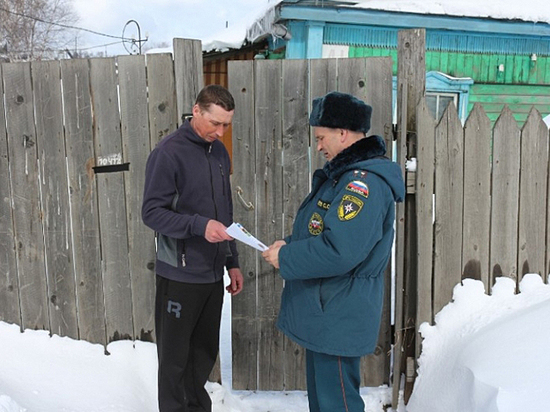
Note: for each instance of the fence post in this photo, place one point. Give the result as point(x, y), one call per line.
point(411, 86)
point(9, 285)
point(188, 70)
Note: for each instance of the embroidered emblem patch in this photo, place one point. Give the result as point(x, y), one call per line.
point(358, 187)
point(323, 205)
point(315, 224)
point(350, 206)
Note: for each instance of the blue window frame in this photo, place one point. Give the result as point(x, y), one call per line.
point(440, 90)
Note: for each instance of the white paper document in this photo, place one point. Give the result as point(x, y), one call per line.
point(237, 231)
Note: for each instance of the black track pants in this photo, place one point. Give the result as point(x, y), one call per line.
point(187, 322)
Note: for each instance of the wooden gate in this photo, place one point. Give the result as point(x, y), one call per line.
point(274, 157)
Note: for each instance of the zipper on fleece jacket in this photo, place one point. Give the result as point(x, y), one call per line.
point(223, 179)
point(208, 153)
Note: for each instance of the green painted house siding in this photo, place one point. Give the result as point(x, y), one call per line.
point(374, 52)
point(485, 68)
point(520, 99)
point(522, 84)
point(482, 68)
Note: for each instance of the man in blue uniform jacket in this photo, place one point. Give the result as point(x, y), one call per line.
point(333, 263)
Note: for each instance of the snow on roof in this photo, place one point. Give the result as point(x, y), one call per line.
point(527, 10)
point(235, 36)
point(259, 20)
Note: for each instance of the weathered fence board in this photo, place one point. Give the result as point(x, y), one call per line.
point(112, 219)
point(533, 196)
point(296, 182)
point(244, 324)
point(323, 78)
point(477, 196)
point(505, 197)
point(163, 116)
point(449, 183)
point(424, 197)
point(377, 80)
point(22, 153)
point(135, 148)
point(411, 86)
point(56, 219)
point(83, 197)
point(188, 72)
point(351, 78)
point(9, 285)
point(268, 96)
point(401, 346)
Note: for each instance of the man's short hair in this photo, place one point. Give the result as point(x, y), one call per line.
point(215, 94)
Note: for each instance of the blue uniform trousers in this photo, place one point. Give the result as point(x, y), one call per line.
point(333, 383)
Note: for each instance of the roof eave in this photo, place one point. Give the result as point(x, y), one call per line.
point(370, 17)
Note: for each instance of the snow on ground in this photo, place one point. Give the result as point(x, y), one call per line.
point(487, 353)
point(484, 354)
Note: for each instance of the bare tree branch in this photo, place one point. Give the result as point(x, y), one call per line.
point(34, 29)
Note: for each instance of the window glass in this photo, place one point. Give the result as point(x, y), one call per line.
point(438, 102)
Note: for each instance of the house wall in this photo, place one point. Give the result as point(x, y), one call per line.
point(524, 83)
point(519, 98)
point(501, 55)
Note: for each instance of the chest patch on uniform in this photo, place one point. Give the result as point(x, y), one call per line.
point(315, 224)
point(359, 187)
point(323, 205)
point(350, 206)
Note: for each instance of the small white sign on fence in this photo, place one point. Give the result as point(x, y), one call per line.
point(112, 159)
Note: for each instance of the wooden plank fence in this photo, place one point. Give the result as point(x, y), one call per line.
point(489, 200)
point(274, 156)
point(75, 258)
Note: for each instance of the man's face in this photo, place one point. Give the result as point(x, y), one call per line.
point(328, 141)
point(212, 123)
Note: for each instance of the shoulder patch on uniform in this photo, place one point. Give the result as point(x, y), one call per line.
point(315, 224)
point(350, 206)
point(359, 187)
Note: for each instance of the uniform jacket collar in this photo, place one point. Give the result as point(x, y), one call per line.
point(364, 149)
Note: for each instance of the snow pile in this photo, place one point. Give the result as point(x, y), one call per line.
point(487, 353)
point(43, 373)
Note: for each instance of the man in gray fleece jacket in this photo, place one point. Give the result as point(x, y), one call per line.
point(187, 202)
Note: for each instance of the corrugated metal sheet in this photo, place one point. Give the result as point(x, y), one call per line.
point(438, 40)
point(360, 36)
